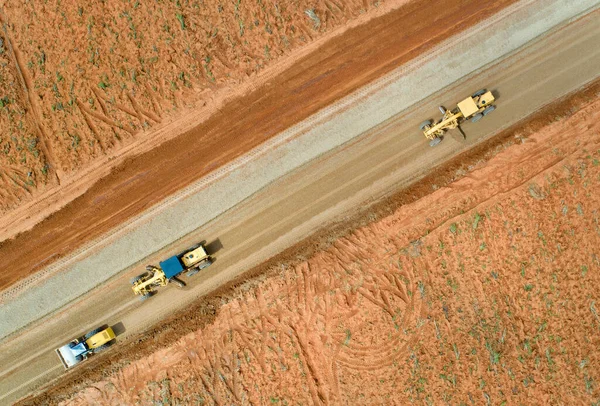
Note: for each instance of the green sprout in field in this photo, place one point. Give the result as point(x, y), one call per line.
point(181, 20)
point(5, 101)
point(103, 84)
point(453, 228)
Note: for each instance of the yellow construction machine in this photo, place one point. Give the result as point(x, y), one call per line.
point(80, 348)
point(190, 262)
point(472, 108)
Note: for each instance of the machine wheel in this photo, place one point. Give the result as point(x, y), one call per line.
point(95, 331)
point(479, 92)
point(435, 141)
point(135, 279)
point(476, 117)
point(205, 264)
point(146, 296)
point(178, 282)
point(193, 272)
point(488, 110)
point(425, 124)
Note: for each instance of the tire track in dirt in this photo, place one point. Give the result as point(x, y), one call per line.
point(9, 176)
point(26, 85)
point(526, 169)
point(389, 286)
point(304, 314)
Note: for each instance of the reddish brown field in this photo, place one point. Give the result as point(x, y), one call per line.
point(482, 292)
point(80, 81)
point(23, 159)
point(112, 84)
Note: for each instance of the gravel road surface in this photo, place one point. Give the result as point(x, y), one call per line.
point(361, 148)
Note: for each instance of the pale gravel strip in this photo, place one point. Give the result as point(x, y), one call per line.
point(194, 206)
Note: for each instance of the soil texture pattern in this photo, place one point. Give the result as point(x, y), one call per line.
point(483, 291)
point(117, 78)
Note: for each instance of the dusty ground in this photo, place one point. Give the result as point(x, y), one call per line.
point(381, 46)
point(480, 292)
point(22, 161)
point(375, 165)
point(121, 67)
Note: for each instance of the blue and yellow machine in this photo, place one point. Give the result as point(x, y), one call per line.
point(190, 262)
point(80, 348)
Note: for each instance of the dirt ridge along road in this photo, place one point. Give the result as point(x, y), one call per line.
point(341, 66)
point(367, 168)
point(151, 234)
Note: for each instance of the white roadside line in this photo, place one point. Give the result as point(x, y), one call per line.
point(66, 337)
point(46, 372)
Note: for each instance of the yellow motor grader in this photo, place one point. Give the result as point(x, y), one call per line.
point(190, 262)
point(473, 108)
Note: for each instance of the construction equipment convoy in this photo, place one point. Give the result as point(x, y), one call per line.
point(472, 108)
point(80, 348)
point(190, 261)
point(195, 259)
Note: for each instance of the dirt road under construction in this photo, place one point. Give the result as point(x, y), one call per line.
point(335, 70)
point(388, 156)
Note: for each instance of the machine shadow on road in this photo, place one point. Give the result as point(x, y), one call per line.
point(496, 94)
point(214, 247)
point(119, 329)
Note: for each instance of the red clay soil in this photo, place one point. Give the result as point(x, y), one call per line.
point(483, 292)
point(339, 67)
point(22, 159)
point(123, 69)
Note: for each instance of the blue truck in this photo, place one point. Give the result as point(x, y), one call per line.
point(188, 262)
